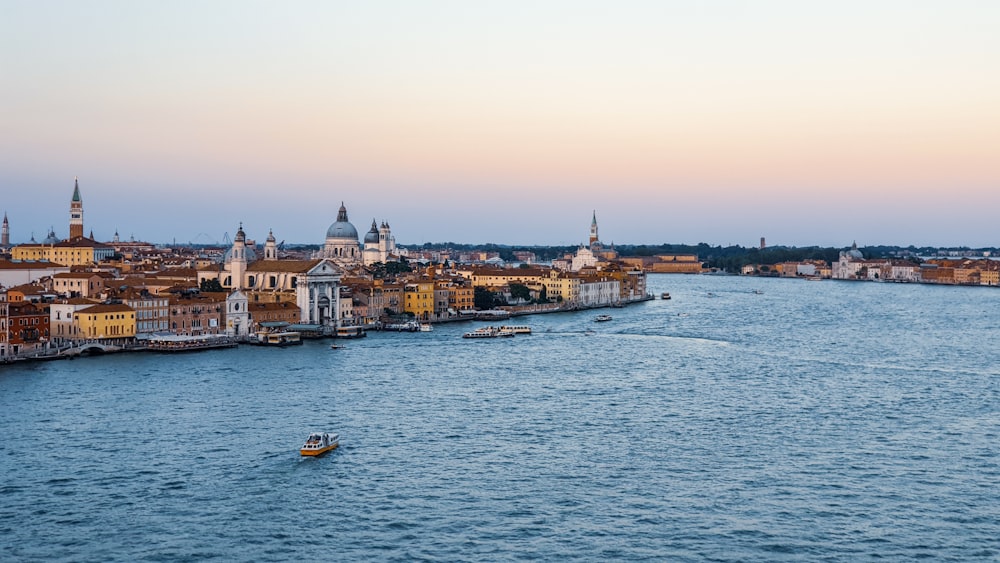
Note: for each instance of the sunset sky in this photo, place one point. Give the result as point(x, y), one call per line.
point(806, 122)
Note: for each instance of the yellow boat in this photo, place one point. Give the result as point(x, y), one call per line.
point(318, 444)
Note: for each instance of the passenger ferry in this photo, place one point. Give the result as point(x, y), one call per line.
point(489, 332)
point(517, 329)
point(318, 444)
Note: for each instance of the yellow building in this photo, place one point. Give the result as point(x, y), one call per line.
point(106, 322)
point(418, 298)
point(80, 251)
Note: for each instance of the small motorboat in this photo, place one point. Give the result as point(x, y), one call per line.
point(320, 443)
point(336, 347)
point(602, 318)
point(665, 296)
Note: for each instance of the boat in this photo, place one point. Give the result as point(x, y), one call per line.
point(408, 326)
point(336, 347)
point(318, 444)
point(350, 332)
point(602, 318)
point(757, 292)
point(665, 296)
point(490, 332)
point(426, 327)
point(517, 329)
point(279, 339)
point(180, 343)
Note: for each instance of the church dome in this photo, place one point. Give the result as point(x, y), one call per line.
point(342, 229)
point(854, 253)
point(372, 234)
point(52, 238)
point(249, 252)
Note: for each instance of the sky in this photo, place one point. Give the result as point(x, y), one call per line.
point(509, 122)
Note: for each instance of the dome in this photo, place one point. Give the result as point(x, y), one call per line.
point(372, 235)
point(270, 236)
point(854, 253)
point(342, 229)
point(52, 238)
point(249, 252)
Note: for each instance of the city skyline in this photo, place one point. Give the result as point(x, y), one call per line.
point(510, 123)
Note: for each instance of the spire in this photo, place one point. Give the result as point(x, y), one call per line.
point(76, 189)
point(593, 222)
point(342, 214)
point(270, 235)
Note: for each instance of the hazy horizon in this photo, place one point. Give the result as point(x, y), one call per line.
point(508, 122)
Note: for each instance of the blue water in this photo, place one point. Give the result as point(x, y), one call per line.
point(816, 421)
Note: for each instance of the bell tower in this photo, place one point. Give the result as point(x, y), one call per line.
point(76, 212)
point(5, 237)
point(593, 229)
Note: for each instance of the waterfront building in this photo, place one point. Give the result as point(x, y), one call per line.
point(262, 312)
point(197, 313)
point(152, 311)
point(238, 315)
point(461, 297)
point(62, 318)
point(114, 323)
point(4, 320)
point(419, 299)
point(28, 326)
point(848, 264)
point(666, 263)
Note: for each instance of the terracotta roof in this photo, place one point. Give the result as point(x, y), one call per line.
point(289, 266)
point(117, 308)
point(75, 301)
point(81, 242)
point(77, 275)
point(273, 306)
point(22, 265)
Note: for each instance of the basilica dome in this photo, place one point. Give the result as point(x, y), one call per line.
point(372, 235)
point(342, 228)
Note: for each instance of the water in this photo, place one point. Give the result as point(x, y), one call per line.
point(817, 421)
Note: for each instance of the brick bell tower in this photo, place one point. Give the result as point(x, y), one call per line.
point(76, 212)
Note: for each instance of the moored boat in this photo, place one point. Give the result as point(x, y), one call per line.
point(320, 443)
point(350, 332)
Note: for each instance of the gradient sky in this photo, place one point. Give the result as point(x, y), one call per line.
point(506, 121)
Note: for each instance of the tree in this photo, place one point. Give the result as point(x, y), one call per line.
point(483, 298)
point(211, 284)
point(520, 291)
